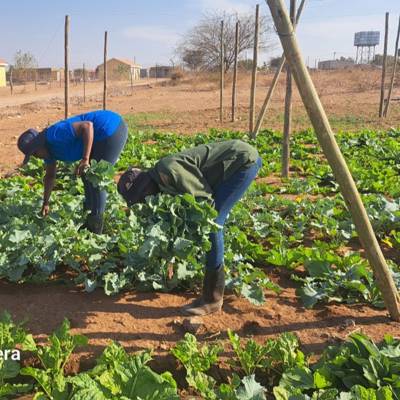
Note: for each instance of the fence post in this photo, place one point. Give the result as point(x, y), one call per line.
point(66, 66)
point(382, 101)
point(11, 80)
point(287, 129)
point(254, 70)
point(235, 70)
point(221, 79)
point(396, 58)
point(335, 158)
point(271, 89)
point(105, 72)
point(84, 82)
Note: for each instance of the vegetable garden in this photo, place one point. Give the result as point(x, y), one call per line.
point(299, 226)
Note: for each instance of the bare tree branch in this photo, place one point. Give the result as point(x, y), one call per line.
point(200, 47)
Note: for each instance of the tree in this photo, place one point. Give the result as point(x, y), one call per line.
point(200, 47)
point(23, 62)
point(274, 62)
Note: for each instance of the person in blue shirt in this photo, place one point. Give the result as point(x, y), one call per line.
point(97, 135)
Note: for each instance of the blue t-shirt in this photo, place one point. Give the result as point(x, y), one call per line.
point(64, 145)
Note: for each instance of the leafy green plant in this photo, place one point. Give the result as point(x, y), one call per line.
point(50, 378)
point(123, 376)
point(197, 360)
point(11, 337)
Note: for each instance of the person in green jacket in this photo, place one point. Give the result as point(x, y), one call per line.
point(218, 172)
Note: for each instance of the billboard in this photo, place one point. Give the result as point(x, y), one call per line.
point(370, 38)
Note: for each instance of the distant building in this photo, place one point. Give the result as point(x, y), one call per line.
point(89, 73)
point(47, 74)
point(160, 71)
point(335, 64)
point(144, 73)
point(3, 65)
point(119, 69)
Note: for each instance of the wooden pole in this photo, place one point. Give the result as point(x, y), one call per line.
point(66, 66)
point(84, 82)
point(105, 72)
point(11, 79)
point(254, 71)
point(385, 49)
point(396, 58)
point(235, 70)
point(287, 128)
point(35, 78)
point(131, 73)
point(275, 80)
point(334, 156)
point(221, 79)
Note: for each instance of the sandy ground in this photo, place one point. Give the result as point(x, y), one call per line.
point(350, 98)
point(153, 319)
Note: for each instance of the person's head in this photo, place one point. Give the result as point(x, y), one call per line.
point(32, 143)
point(135, 185)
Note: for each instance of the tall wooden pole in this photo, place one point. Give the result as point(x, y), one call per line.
point(396, 58)
point(36, 78)
point(334, 156)
point(66, 66)
point(385, 49)
point(11, 80)
point(287, 129)
point(222, 72)
point(254, 71)
point(235, 70)
point(84, 82)
point(275, 80)
point(105, 72)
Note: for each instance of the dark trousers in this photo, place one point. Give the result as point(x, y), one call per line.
point(109, 150)
point(226, 196)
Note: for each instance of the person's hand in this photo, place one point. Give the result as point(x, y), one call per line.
point(45, 210)
point(84, 164)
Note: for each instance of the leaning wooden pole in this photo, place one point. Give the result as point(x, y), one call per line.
point(235, 70)
point(334, 156)
point(385, 49)
point(222, 72)
point(287, 128)
point(66, 66)
point(254, 70)
point(275, 80)
point(105, 72)
point(396, 58)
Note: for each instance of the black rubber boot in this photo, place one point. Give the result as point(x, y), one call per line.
point(213, 293)
point(94, 223)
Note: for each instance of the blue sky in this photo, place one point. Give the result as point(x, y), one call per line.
point(149, 30)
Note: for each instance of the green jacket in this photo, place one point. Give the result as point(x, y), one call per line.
point(200, 170)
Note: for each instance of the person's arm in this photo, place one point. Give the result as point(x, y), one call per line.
point(85, 130)
point(49, 180)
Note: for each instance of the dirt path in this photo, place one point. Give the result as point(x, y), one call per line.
point(350, 98)
point(143, 320)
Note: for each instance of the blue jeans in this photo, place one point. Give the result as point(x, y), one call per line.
point(225, 197)
point(109, 150)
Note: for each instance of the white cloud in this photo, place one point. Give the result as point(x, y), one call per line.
point(151, 33)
